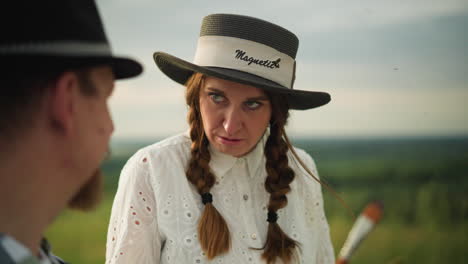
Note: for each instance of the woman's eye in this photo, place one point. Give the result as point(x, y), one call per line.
point(216, 98)
point(252, 105)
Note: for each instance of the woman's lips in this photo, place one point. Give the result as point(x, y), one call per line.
point(229, 141)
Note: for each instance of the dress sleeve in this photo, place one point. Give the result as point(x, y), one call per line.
point(316, 215)
point(133, 235)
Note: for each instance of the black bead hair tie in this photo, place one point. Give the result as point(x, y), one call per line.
point(207, 198)
point(272, 217)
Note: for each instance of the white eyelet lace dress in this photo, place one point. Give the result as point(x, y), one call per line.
point(156, 210)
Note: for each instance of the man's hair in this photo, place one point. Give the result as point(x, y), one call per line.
point(23, 91)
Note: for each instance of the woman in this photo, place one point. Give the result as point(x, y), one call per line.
point(233, 189)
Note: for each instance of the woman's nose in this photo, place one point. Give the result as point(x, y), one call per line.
point(233, 121)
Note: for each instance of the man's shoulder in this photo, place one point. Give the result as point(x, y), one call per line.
point(13, 252)
point(47, 249)
point(5, 257)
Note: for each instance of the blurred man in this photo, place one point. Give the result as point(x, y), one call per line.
point(57, 73)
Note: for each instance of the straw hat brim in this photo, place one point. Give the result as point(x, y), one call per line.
point(180, 71)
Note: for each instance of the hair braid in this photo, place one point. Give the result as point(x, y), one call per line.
point(278, 244)
point(213, 232)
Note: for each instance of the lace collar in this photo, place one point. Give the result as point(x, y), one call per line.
point(221, 163)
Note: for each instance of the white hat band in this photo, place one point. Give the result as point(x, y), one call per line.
point(247, 56)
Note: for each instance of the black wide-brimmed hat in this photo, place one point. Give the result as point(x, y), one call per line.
point(246, 50)
point(38, 34)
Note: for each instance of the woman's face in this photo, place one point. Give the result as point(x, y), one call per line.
point(234, 115)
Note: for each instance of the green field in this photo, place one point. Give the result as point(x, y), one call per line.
point(423, 184)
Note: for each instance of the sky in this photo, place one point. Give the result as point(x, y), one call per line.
point(393, 68)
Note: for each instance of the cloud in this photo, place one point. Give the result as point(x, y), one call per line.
point(386, 75)
point(135, 95)
point(319, 16)
point(392, 67)
point(385, 112)
point(305, 15)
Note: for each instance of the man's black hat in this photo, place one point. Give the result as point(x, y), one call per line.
point(68, 33)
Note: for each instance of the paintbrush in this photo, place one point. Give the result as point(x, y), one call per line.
point(366, 221)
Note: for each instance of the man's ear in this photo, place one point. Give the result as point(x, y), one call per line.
point(63, 101)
